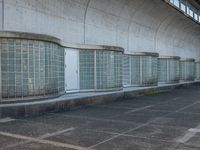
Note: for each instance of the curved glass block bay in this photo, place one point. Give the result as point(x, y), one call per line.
point(197, 75)
point(187, 69)
point(30, 68)
point(140, 69)
point(100, 69)
point(168, 69)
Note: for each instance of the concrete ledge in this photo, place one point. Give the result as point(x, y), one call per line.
point(73, 101)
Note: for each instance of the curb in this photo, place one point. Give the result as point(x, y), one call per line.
point(66, 103)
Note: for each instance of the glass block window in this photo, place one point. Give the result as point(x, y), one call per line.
point(187, 70)
point(150, 73)
point(135, 70)
point(126, 70)
point(142, 70)
point(118, 72)
point(168, 70)
point(31, 68)
point(87, 68)
point(100, 69)
point(197, 71)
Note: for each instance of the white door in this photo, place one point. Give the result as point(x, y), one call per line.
point(71, 70)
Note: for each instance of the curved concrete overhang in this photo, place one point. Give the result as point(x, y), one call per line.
point(135, 25)
point(142, 54)
point(187, 60)
point(92, 47)
point(47, 38)
point(101, 47)
point(29, 36)
point(170, 57)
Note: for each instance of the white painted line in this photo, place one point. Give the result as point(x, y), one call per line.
point(186, 137)
point(96, 119)
point(176, 98)
point(188, 106)
point(5, 120)
point(120, 134)
point(138, 109)
point(58, 144)
point(56, 133)
point(41, 137)
point(116, 136)
point(189, 134)
point(114, 107)
point(195, 130)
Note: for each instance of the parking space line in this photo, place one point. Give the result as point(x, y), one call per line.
point(97, 119)
point(186, 137)
point(157, 110)
point(114, 107)
point(38, 140)
point(5, 120)
point(56, 133)
point(189, 134)
point(142, 125)
point(139, 109)
point(120, 134)
point(185, 107)
point(176, 98)
point(41, 137)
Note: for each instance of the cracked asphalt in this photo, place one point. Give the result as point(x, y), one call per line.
point(166, 121)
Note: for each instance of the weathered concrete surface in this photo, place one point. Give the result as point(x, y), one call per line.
point(136, 25)
point(167, 121)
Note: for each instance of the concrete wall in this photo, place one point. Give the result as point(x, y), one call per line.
point(136, 25)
